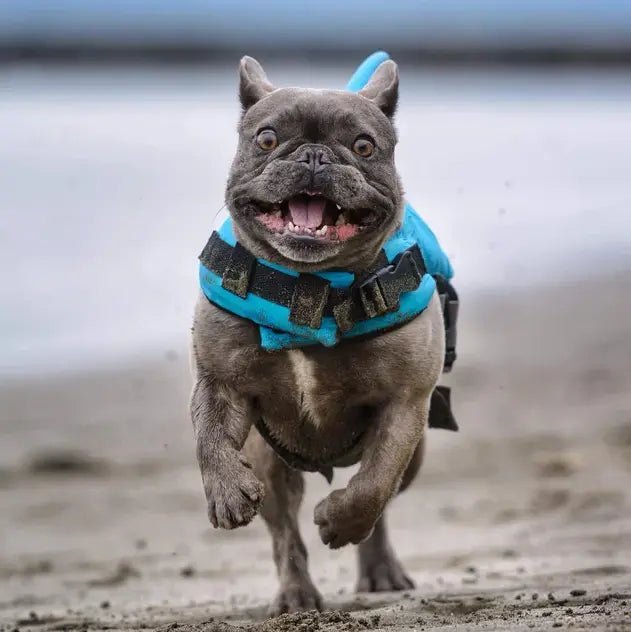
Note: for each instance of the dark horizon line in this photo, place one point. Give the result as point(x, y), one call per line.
point(186, 54)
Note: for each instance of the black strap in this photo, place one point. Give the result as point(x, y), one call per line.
point(265, 282)
point(301, 462)
point(440, 412)
point(310, 297)
point(450, 304)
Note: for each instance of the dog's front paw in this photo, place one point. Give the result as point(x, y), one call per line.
point(343, 520)
point(233, 492)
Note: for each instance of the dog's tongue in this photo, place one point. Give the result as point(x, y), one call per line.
point(306, 210)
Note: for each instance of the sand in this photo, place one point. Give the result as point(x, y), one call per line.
point(521, 521)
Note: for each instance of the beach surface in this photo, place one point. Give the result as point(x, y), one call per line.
point(520, 521)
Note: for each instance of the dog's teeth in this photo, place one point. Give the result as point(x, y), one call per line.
point(323, 230)
point(290, 226)
point(339, 208)
point(341, 220)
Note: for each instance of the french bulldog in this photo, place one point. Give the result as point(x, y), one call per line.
point(314, 187)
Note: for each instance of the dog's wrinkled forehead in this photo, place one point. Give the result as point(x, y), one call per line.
point(317, 112)
point(318, 116)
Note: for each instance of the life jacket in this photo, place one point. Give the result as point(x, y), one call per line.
point(295, 310)
point(328, 307)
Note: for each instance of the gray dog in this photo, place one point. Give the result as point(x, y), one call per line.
point(313, 186)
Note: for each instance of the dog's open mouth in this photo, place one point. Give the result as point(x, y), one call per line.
point(313, 216)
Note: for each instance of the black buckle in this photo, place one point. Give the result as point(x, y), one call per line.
point(380, 292)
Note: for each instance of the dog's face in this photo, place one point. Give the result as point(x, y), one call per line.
point(313, 184)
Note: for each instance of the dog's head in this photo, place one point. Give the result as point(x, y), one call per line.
point(313, 184)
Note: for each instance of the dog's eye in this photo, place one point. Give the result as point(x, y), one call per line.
point(267, 140)
point(363, 146)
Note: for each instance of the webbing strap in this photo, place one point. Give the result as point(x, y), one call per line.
point(310, 297)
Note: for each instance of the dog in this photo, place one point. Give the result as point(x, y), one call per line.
point(313, 186)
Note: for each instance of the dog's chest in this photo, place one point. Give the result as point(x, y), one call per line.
point(306, 391)
point(311, 401)
point(318, 390)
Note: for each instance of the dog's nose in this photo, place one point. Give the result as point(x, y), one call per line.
point(315, 157)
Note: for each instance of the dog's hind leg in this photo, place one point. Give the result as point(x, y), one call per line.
point(284, 488)
point(379, 568)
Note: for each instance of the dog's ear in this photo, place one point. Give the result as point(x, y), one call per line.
point(383, 88)
point(253, 82)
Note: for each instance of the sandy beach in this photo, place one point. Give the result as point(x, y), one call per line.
point(520, 521)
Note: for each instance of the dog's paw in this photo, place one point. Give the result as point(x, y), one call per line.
point(298, 596)
point(342, 521)
point(383, 575)
point(233, 492)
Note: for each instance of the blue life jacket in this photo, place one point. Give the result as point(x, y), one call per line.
point(319, 308)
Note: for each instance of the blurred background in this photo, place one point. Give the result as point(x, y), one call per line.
point(117, 128)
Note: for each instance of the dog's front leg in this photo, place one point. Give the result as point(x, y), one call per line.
point(349, 515)
point(222, 421)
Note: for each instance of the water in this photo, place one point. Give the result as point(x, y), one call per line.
point(110, 180)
